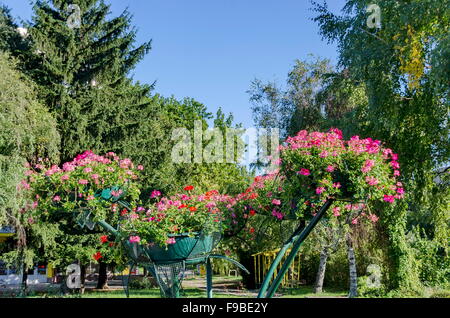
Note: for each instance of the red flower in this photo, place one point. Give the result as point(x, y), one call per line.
point(111, 244)
point(252, 230)
point(192, 209)
point(189, 188)
point(252, 212)
point(182, 206)
point(104, 238)
point(97, 256)
point(123, 212)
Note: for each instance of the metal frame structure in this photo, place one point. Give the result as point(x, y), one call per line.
point(268, 287)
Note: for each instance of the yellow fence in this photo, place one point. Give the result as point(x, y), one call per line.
point(263, 260)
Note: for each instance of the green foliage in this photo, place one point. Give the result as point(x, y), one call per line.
point(141, 283)
point(295, 108)
point(407, 106)
point(434, 266)
point(28, 133)
point(28, 130)
point(82, 73)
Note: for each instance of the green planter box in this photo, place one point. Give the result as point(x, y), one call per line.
point(186, 248)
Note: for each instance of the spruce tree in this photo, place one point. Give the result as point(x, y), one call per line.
point(83, 71)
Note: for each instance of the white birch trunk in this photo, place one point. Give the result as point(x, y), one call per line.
point(321, 271)
point(352, 269)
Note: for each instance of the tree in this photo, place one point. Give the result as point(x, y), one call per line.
point(28, 134)
point(82, 72)
point(400, 66)
point(296, 107)
point(317, 97)
point(11, 40)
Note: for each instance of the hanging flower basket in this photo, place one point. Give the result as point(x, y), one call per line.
point(187, 248)
point(316, 166)
point(77, 186)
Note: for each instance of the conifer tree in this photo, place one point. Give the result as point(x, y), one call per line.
point(83, 71)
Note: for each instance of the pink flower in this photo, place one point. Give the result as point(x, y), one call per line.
point(323, 154)
point(277, 214)
point(25, 185)
point(304, 172)
point(319, 190)
point(68, 167)
point(337, 132)
point(355, 221)
point(35, 205)
point(87, 170)
point(64, 177)
point(90, 198)
point(337, 185)
point(117, 193)
point(330, 168)
point(110, 169)
point(171, 240)
point(389, 198)
point(83, 181)
point(400, 190)
point(336, 211)
point(373, 218)
point(394, 156)
point(94, 176)
point(134, 239)
point(56, 198)
point(155, 194)
point(140, 167)
point(276, 202)
point(372, 180)
point(396, 173)
point(395, 164)
point(368, 165)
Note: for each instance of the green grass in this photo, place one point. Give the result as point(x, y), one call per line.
point(152, 293)
point(307, 292)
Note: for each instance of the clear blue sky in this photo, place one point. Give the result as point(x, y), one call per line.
point(212, 49)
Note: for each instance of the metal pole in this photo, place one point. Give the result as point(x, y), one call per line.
point(277, 260)
point(209, 293)
point(296, 246)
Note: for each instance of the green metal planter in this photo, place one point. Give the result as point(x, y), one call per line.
point(192, 249)
point(167, 265)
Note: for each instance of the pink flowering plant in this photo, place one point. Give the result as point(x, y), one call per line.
point(316, 166)
point(87, 183)
point(185, 214)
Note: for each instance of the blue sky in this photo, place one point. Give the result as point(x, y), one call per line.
point(211, 50)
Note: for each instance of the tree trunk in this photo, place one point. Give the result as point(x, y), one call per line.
point(352, 268)
point(102, 276)
point(248, 280)
point(321, 271)
point(82, 278)
point(24, 285)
